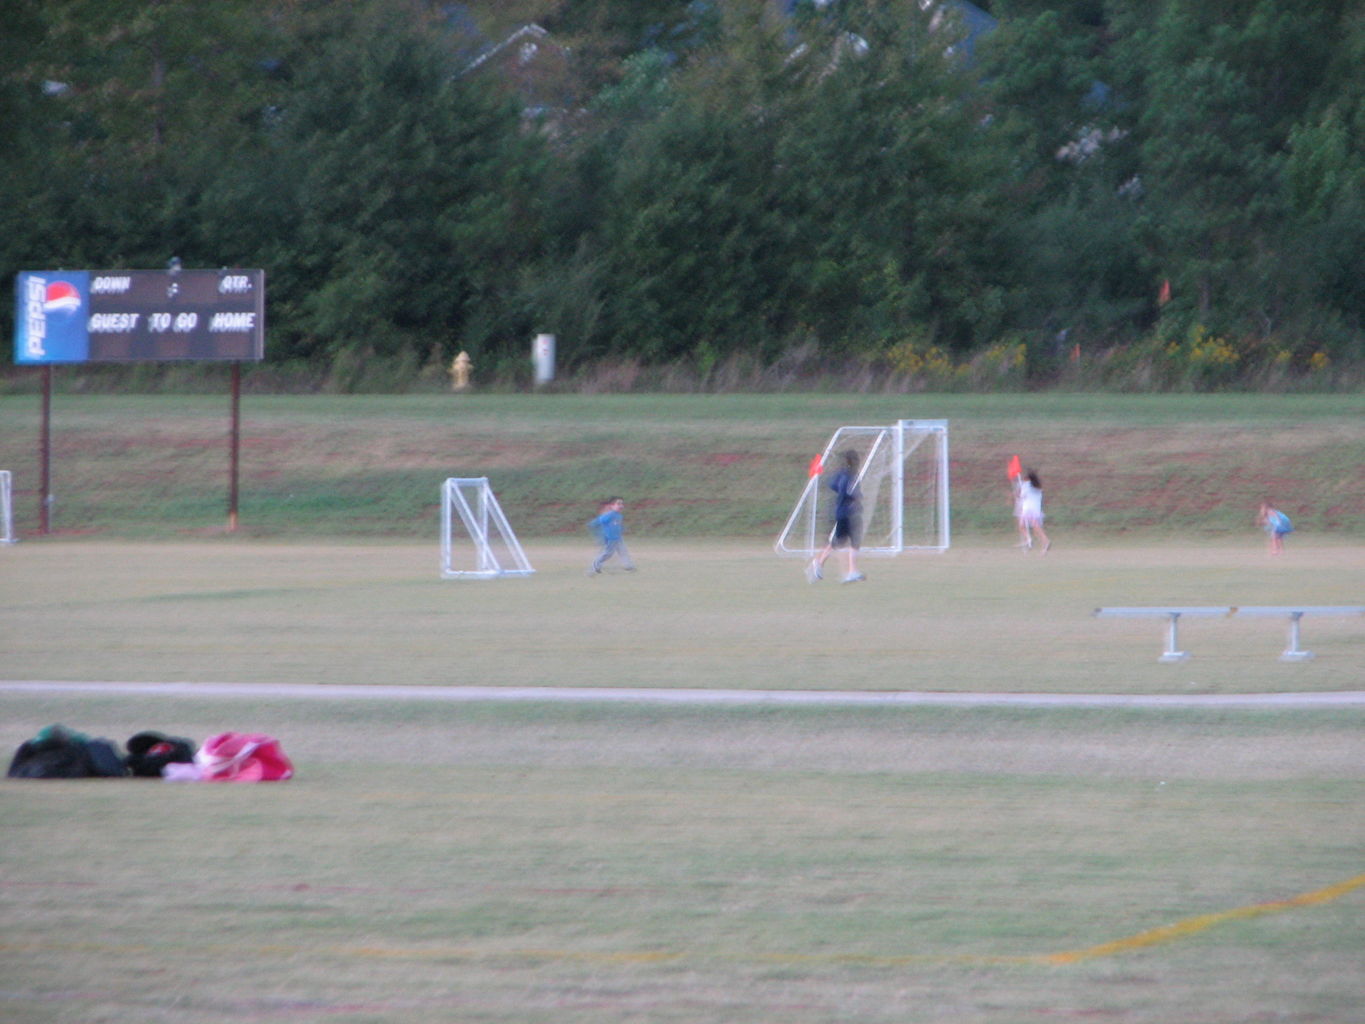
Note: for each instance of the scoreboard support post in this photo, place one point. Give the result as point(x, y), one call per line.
point(234, 456)
point(45, 457)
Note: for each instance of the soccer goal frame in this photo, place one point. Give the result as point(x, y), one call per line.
point(470, 512)
point(903, 476)
point(6, 508)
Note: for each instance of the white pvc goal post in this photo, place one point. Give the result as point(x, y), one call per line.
point(6, 508)
point(477, 541)
point(903, 477)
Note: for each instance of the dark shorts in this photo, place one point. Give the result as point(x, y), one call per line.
point(846, 530)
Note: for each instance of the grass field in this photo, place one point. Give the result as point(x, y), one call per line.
point(529, 863)
point(725, 614)
point(546, 862)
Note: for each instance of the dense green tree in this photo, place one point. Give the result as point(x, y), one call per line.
point(1226, 88)
point(825, 178)
point(1187, 170)
point(408, 188)
point(1072, 174)
point(1325, 179)
point(28, 163)
point(890, 185)
point(688, 229)
point(1210, 166)
point(741, 175)
point(390, 198)
point(134, 101)
point(606, 33)
point(1039, 72)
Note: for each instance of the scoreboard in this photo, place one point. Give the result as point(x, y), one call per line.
point(117, 316)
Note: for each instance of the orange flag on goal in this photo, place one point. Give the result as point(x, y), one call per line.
point(1014, 469)
point(817, 466)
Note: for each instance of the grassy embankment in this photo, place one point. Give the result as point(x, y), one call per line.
point(692, 466)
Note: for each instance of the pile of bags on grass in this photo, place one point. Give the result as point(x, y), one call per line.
point(57, 752)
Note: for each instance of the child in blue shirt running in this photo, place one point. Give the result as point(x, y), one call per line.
point(609, 528)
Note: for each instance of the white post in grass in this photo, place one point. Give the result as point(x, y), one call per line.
point(543, 356)
point(6, 508)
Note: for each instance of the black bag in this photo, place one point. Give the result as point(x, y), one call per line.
point(104, 759)
point(149, 752)
point(61, 753)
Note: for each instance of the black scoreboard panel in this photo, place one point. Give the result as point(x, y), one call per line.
point(169, 315)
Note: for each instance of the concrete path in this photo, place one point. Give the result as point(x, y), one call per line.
point(789, 698)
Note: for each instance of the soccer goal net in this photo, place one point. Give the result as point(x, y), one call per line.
point(6, 508)
point(903, 477)
point(477, 541)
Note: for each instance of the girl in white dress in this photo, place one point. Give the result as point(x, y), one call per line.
point(1031, 510)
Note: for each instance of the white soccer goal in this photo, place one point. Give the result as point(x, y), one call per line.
point(477, 542)
point(6, 508)
point(903, 474)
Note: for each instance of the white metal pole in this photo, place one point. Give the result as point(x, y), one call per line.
point(6, 507)
point(1173, 651)
point(486, 562)
point(1294, 652)
point(898, 492)
point(944, 506)
point(445, 528)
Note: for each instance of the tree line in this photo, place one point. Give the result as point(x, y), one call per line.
point(1172, 188)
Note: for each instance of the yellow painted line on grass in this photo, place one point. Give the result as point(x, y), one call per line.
point(1194, 925)
point(1152, 937)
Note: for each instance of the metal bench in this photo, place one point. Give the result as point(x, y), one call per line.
point(1294, 612)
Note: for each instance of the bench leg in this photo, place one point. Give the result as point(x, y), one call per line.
point(1173, 652)
point(1294, 652)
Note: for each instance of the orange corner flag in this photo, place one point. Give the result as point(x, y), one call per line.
point(1014, 469)
point(817, 466)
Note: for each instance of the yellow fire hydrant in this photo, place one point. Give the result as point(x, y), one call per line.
point(459, 372)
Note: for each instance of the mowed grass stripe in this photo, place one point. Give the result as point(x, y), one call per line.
point(1151, 937)
point(723, 615)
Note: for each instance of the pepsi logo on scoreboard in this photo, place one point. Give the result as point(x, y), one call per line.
point(139, 315)
point(49, 321)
